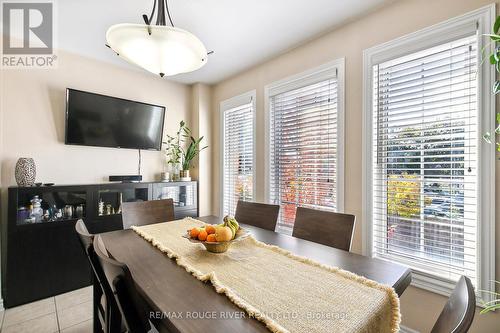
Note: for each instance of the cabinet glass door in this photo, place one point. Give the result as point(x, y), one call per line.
point(184, 194)
point(109, 201)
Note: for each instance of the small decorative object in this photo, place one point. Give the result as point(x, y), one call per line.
point(22, 213)
point(100, 208)
point(108, 209)
point(59, 214)
point(184, 176)
point(165, 176)
point(120, 200)
point(36, 210)
point(79, 211)
point(25, 171)
point(68, 211)
point(175, 174)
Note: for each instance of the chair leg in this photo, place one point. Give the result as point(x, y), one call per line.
point(97, 299)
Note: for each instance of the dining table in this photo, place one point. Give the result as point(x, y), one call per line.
point(178, 302)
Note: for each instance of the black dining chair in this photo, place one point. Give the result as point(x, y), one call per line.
point(458, 312)
point(130, 304)
point(106, 312)
point(147, 212)
point(257, 214)
point(327, 228)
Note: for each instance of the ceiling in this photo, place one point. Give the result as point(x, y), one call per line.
point(242, 33)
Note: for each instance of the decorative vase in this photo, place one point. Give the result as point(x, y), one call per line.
point(25, 171)
point(174, 172)
point(184, 174)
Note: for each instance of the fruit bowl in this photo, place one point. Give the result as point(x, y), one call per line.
point(220, 247)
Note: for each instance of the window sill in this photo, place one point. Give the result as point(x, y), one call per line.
point(439, 285)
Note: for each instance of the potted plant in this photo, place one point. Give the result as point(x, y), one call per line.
point(178, 155)
point(173, 154)
point(189, 153)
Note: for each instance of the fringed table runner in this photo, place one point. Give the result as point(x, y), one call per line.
point(287, 292)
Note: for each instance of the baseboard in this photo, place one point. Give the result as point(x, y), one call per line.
point(404, 329)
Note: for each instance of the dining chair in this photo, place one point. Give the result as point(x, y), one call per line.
point(257, 214)
point(128, 300)
point(147, 212)
point(105, 309)
point(327, 228)
point(458, 312)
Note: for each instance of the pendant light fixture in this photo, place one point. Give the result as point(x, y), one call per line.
point(159, 48)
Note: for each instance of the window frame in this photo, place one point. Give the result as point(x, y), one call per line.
point(332, 69)
point(224, 106)
point(452, 29)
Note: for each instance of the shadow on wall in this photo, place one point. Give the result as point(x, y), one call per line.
point(7, 172)
point(57, 99)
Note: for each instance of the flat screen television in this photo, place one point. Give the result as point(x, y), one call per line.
point(105, 121)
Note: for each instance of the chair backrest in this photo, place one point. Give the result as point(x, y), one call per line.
point(257, 214)
point(327, 228)
point(86, 239)
point(458, 313)
point(147, 212)
point(130, 304)
point(111, 317)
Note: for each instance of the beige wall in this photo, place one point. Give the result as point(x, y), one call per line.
point(419, 308)
point(33, 109)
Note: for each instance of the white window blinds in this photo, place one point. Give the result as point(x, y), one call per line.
point(238, 125)
point(425, 165)
point(303, 149)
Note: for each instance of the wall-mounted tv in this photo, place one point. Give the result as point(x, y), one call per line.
point(105, 121)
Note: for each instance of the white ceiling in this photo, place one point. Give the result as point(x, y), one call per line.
point(242, 33)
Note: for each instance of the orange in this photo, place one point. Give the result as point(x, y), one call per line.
point(194, 232)
point(202, 235)
point(211, 238)
point(210, 229)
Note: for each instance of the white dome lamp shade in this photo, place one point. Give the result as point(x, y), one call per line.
point(159, 49)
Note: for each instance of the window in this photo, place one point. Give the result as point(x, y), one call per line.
point(426, 154)
point(305, 141)
point(238, 151)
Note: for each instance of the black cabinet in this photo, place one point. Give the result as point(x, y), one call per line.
point(184, 194)
point(43, 257)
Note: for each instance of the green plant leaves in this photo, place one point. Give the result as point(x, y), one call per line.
point(496, 26)
point(496, 89)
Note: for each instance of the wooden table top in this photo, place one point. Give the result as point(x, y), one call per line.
point(189, 305)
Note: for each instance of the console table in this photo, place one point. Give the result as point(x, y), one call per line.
point(44, 258)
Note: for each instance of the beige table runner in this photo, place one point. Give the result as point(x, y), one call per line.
point(287, 292)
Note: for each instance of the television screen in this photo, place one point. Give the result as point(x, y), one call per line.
point(104, 121)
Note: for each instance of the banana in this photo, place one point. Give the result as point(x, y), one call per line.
point(231, 222)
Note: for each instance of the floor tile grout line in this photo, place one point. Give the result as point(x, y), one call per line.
point(77, 324)
point(40, 316)
point(3, 318)
point(57, 316)
point(73, 306)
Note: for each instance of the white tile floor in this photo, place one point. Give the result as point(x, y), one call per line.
point(66, 313)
